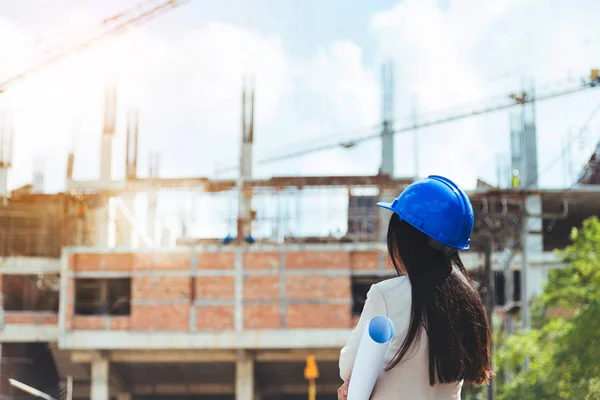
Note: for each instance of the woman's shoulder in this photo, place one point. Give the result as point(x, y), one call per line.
point(395, 293)
point(396, 285)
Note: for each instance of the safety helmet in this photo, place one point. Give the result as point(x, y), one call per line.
point(437, 207)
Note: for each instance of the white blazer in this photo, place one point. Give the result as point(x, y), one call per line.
point(409, 380)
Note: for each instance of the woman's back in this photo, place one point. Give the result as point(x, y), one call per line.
point(442, 336)
point(409, 379)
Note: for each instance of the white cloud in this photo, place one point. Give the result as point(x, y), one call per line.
point(188, 92)
point(431, 63)
point(332, 95)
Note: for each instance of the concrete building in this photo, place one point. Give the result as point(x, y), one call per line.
point(90, 298)
point(219, 321)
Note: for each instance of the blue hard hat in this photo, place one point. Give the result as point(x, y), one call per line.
point(437, 207)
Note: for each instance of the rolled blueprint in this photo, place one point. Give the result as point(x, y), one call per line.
point(370, 357)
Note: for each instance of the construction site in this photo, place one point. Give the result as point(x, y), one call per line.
point(99, 305)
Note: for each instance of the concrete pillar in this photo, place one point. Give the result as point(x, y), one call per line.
point(152, 223)
point(244, 377)
point(106, 215)
point(387, 116)
point(101, 225)
point(532, 242)
point(127, 236)
point(244, 228)
point(245, 197)
point(111, 213)
point(123, 396)
point(5, 180)
point(387, 150)
point(70, 387)
point(100, 380)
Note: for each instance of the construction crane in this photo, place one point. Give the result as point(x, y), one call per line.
point(512, 100)
point(114, 25)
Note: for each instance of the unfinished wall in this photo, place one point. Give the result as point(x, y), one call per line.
point(229, 289)
point(31, 226)
point(29, 299)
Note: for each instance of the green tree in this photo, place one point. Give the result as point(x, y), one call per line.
point(563, 349)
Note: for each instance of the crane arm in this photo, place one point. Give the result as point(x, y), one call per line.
point(590, 83)
point(116, 24)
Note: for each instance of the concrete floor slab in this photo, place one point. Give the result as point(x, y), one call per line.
point(249, 339)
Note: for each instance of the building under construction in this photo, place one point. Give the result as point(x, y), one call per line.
point(97, 305)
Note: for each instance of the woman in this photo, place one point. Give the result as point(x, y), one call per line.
point(442, 335)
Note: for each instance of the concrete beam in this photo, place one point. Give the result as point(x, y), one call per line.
point(144, 185)
point(251, 339)
point(469, 257)
point(96, 185)
point(173, 356)
point(158, 356)
point(88, 356)
point(147, 184)
point(201, 356)
point(257, 247)
point(29, 265)
point(19, 333)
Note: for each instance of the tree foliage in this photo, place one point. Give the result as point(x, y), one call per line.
point(563, 349)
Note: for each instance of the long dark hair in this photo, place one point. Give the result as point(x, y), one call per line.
point(445, 304)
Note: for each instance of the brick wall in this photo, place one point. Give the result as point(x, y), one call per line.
point(318, 260)
point(30, 318)
point(310, 287)
point(165, 293)
point(214, 287)
point(188, 291)
point(218, 260)
point(317, 290)
point(215, 317)
point(365, 260)
point(318, 316)
point(157, 287)
point(160, 317)
point(262, 300)
point(262, 260)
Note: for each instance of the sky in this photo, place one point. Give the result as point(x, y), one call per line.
point(317, 76)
